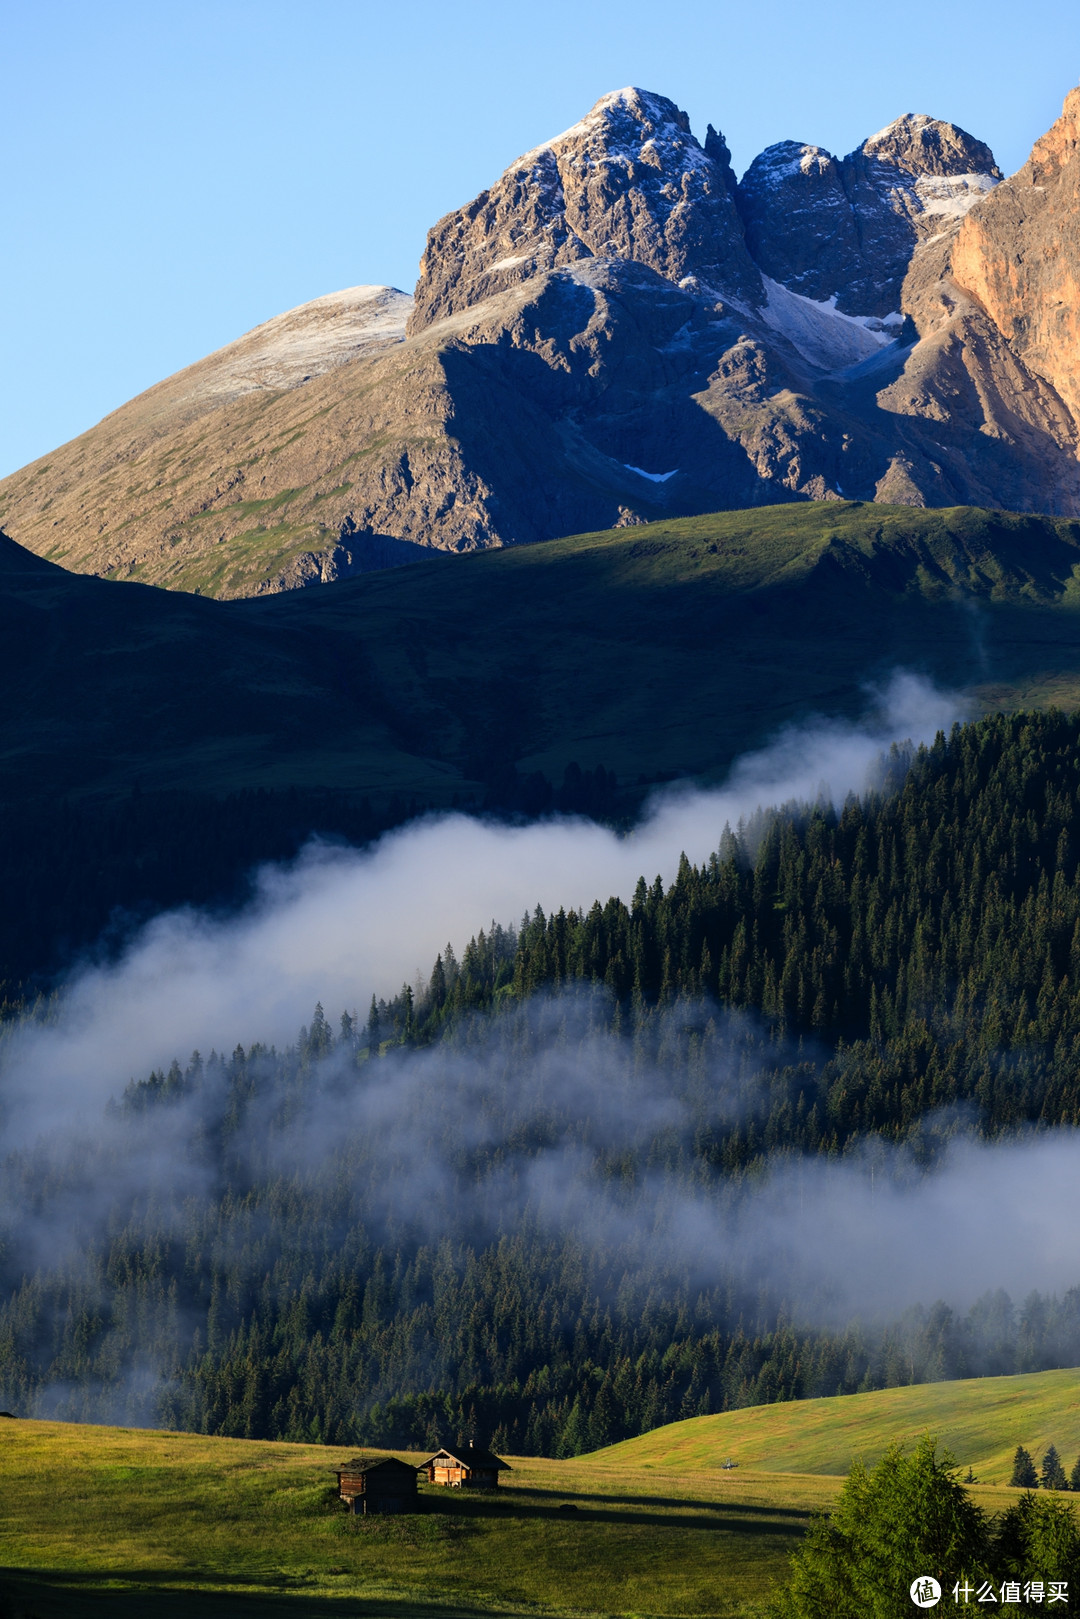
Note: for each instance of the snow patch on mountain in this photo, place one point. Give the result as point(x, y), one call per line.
point(653, 477)
point(952, 194)
point(821, 333)
point(907, 125)
point(786, 159)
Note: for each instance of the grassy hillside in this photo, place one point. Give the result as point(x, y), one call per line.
point(671, 649)
point(122, 1522)
point(119, 1522)
point(654, 651)
point(982, 1420)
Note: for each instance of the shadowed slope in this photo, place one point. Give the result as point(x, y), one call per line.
point(657, 652)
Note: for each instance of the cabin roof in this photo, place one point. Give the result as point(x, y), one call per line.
point(371, 1464)
point(469, 1456)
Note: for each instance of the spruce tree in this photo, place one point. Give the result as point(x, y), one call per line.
point(1024, 1476)
point(1037, 1538)
point(1074, 1476)
point(1053, 1474)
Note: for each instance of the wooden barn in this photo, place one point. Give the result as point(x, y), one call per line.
point(466, 1465)
point(380, 1485)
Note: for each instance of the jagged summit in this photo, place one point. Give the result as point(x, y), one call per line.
point(628, 181)
point(917, 144)
point(786, 158)
point(633, 115)
point(846, 228)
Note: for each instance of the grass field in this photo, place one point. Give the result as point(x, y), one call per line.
point(980, 1419)
point(120, 1522)
point(102, 1522)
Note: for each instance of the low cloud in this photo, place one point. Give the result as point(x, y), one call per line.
point(338, 925)
point(544, 1119)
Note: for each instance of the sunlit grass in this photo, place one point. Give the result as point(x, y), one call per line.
point(980, 1419)
point(116, 1521)
point(119, 1512)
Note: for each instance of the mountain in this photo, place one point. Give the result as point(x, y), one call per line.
point(182, 485)
point(617, 331)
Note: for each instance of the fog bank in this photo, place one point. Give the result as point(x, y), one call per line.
point(338, 925)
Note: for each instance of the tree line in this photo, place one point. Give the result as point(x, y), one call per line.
point(1026, 1476)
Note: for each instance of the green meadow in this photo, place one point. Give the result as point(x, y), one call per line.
point(980, 1419)
point(123, 1522)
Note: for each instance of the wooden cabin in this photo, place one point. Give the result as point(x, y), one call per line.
point(382, 1484)
point(465, 1465)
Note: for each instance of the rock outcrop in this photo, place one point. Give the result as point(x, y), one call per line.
point(1018, 257)
point(628, 182)
point(616, 331)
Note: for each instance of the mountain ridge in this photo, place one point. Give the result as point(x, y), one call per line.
point(594, 344)
point(425, 685)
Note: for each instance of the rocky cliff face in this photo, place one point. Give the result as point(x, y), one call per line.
point(629, 182)
point(616, 331)
point(1018, 257)
point(847, 228)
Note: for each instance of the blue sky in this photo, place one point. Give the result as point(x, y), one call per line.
point(175, 173)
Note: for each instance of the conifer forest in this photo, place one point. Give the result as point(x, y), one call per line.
point(413, 1224)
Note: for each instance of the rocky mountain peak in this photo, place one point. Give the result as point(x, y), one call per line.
point(917, 145)
point(800, 225)
point(846, 229)
point(1059, 146)
point(716, 148)
point(628, 181)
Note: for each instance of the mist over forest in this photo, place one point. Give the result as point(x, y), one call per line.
point(797, 1118)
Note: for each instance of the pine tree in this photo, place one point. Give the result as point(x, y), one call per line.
point(1053, 1474)
point(1024, 1476)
